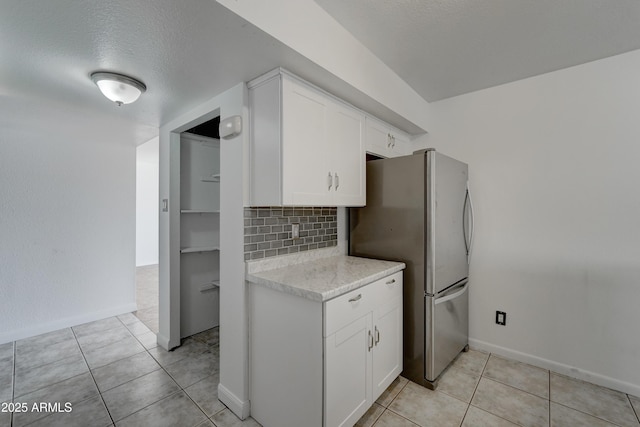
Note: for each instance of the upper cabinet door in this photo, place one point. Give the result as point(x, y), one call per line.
point(346, 135)
point(377, 141)
point(384, 140)
point(306, 170)
point(306, 148)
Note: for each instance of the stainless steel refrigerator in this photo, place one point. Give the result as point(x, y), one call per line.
point(419, 212)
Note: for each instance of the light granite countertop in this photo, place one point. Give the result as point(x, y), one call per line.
point(325, 278)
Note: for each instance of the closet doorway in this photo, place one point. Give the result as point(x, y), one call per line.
point(200, 229)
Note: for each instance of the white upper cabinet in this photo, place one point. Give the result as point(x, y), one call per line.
point(307, 147)
point(383, 140)
point(346, 135)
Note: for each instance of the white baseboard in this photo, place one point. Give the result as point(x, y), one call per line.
point(560, 368)
point(242, 408)
point(166, 343)
point(32, 331)
point(163, 341)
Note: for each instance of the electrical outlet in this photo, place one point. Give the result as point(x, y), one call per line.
point(501, 318)
point(295, 231)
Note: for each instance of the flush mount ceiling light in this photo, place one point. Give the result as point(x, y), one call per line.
point(119, 88)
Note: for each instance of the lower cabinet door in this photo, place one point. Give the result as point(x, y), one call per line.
point(347, 391)
point(387, 353)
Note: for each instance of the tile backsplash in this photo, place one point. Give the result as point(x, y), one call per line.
point(267, 230)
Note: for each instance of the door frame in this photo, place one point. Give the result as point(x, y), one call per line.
point(234, 376)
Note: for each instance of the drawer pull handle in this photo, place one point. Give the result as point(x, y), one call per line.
point(391, 282)
point(354, 299)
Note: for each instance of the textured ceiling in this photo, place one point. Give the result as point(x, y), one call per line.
point(191, 50)
point(444, 48)
point(185, 51)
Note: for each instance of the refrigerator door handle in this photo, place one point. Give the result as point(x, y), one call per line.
point(468, 240)
point(464, 223)
point(453, 295)
point(473, 223)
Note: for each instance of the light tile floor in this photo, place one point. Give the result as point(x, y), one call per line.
point(147, 296)
point(112, 373)
point(485, 390)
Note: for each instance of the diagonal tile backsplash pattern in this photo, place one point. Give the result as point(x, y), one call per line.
point(267, 230)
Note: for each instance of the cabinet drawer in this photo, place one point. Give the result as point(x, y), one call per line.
point(346, 308)
point(388, 288)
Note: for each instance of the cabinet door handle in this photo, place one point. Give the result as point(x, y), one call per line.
point(356, 298)
point(370, 341)
point(388, 140)
point(377, 335)
point(330, 180)
point(391, 282)
point(393, 141)
point(337, 179)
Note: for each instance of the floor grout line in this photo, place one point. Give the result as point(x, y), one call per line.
point(94, 379)
point(13, 379)
point(172, 378)
point(484, 368)
point(637, 412)
point(400, 415)
point(549, 373)
point(161, 367)
point(586, 413)
point(48, 385)
point(515, 388)
point(476, 387)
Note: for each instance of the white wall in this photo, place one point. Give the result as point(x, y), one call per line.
point(67, 218)
point(147, 204)
point(554, 167)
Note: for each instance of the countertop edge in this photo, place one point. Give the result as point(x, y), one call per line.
point(330, 294)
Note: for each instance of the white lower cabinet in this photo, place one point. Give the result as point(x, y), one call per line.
point(360, 335)
point(363, 348)
point(387, 354)
point(347, 377)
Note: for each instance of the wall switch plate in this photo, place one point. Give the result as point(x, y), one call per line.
point(295, 231)
point(501, 318)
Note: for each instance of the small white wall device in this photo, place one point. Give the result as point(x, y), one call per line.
point(230, 127)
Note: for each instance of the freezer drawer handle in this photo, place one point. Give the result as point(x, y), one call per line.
point(356, 298)
point(453, 295)
point(391, 282)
